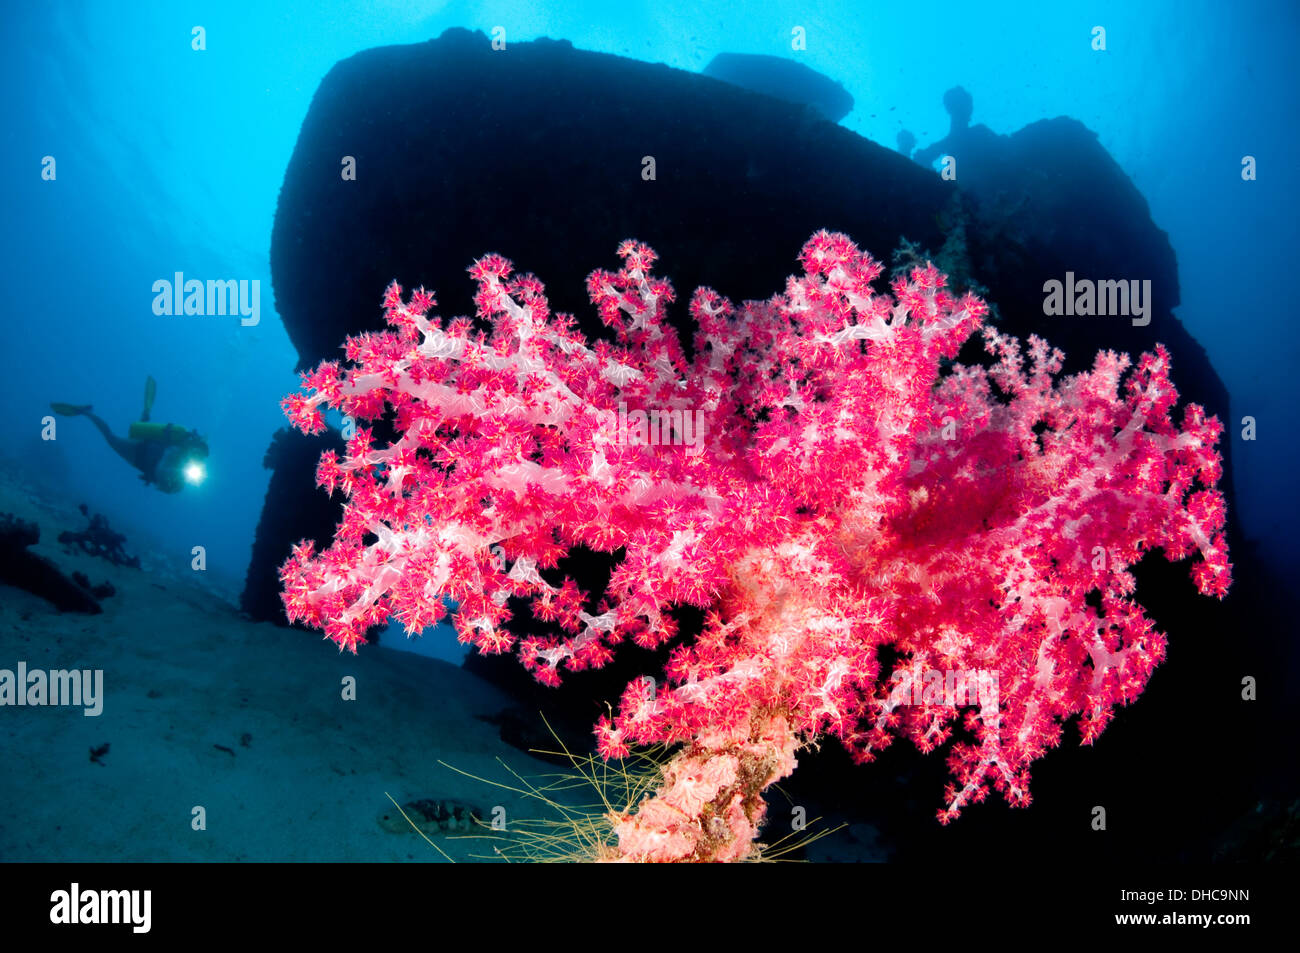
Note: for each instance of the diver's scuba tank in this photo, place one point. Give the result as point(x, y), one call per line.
point(168, 434)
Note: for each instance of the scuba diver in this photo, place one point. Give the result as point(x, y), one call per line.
point(167, 456)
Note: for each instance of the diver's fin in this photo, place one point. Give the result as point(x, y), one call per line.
point(71, 410)
point(150, 389)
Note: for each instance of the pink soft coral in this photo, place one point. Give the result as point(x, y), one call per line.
point(844, 494)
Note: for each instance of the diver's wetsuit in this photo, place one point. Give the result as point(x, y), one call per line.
point(144, 455)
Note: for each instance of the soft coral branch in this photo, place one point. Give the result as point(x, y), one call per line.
point(845, 495)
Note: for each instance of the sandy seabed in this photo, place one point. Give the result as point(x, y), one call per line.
point(205, 709)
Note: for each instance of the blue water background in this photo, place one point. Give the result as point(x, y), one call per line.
point(170, 160)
